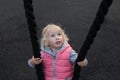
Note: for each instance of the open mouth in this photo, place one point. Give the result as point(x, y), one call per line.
point(58, 42)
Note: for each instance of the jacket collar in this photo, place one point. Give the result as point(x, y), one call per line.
point(48, 50)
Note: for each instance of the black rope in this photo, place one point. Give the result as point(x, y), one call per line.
point(99, 19)
point(102, 11)
point(33, 35)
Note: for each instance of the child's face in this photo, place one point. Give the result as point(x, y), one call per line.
point(55, 38)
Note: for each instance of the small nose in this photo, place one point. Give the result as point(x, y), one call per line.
point(57, 37)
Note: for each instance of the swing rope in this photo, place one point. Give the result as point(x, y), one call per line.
point(102, 11)
point(95, 27)
point(33, 35)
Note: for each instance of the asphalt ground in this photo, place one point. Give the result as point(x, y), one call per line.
point(76, 17)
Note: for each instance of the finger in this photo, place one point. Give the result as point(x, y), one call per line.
point(37, 59)
point(40, 60)
point(32, 57)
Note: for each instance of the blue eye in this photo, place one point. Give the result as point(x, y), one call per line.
point(52, 35)
point(59, 34)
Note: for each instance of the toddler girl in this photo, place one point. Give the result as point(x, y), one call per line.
point(57, 55)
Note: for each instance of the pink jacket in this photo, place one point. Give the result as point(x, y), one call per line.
point(58, 67)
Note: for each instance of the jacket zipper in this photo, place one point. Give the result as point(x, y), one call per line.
point(54, 68)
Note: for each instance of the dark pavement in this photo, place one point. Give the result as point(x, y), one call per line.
point(76, 17)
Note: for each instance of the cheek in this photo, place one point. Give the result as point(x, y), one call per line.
point(50, 40)
point(62, 38)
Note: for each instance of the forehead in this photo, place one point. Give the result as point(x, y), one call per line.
point(54, 30)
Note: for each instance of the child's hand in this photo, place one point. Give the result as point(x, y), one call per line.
point(83, 63)
point(35, 61)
